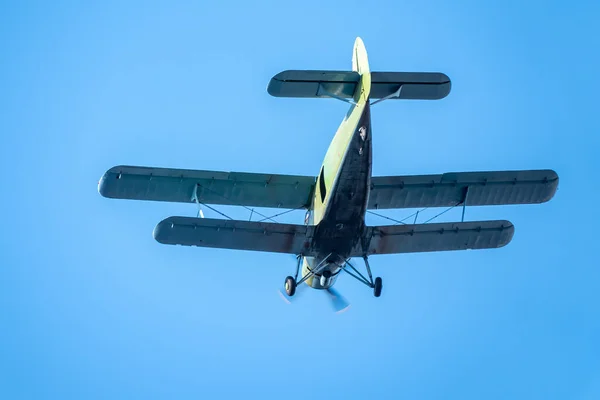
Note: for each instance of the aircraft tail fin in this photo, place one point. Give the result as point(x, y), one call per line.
point(360, 64)
point(360, 60)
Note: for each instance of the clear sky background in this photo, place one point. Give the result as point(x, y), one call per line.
point(92, 307)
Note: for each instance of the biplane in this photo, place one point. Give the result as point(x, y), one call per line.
point(337, 199)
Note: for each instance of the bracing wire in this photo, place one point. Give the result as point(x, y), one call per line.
point(443, 212)
point(253, 211)
point(385, 217)
point(215, 210)
point(415, 213)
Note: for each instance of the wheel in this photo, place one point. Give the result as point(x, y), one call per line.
point(377, 287)
point(290, 286)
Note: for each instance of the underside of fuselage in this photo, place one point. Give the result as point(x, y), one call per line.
point(343, 221)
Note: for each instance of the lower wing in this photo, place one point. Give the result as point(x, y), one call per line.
point(296, 239)
point(235, 234)
point(395, 239)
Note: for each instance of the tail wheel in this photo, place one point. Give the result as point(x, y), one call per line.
point(290, 286)
point(377, 286)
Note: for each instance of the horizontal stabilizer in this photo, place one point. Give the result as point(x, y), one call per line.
point(418, 238)
point(315, 84)
point(234, 234)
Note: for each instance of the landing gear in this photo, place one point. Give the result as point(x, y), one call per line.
point(292, 282)
point(376, 284)
point(290, 286)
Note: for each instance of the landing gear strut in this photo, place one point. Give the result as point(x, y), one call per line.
point(292, 282)
point(376, 285)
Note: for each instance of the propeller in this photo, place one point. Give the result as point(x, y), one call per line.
point(337, 301)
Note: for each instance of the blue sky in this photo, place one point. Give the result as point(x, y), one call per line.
point(92, 307)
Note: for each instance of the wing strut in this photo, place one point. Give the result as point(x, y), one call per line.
point(195, 200)
point(394, 95)
point(465, 204)
point(321, 91)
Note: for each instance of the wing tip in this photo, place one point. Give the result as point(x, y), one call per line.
point(447, 88)
point(509, 227)
point(105, 184)
point(553, 181)
point(161, 231)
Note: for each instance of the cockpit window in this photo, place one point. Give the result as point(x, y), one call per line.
point(322, 187)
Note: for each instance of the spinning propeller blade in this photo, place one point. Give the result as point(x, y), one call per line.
point(339, 303)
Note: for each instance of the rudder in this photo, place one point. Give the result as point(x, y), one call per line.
point(360, 64)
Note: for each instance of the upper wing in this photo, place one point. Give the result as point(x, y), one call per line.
point(477, 188)
point(233, 234)
point(210, 187)
point(394, 239)
point(310, 83)
point(293, 191)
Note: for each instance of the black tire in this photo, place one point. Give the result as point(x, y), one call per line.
point(378, 285)
point(290, 286)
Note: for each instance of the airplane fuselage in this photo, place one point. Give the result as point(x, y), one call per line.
point(342, 189)
point(343, 205)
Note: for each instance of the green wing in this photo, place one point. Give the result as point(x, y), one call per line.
point(210, 187)
point(235, 235)
point(294, 191)
point(474, 188)
point(394, 239)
